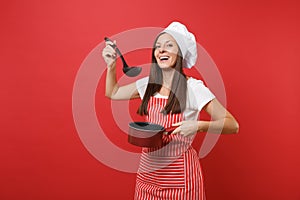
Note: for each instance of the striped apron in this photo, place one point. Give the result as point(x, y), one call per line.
point(171, 172)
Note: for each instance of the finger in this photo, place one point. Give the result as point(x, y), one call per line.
point(177, 124)
point(108, 52)
point(110, 48)
point(109, 42)
point(177, 130)
point(112, 44)
point(184, 134)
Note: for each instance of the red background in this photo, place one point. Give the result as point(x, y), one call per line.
point(255, 45)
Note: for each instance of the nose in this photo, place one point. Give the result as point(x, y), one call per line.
point(161, 49)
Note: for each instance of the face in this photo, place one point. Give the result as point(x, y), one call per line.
point(166, 50)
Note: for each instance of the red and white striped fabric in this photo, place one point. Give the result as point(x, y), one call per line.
point(171, 172)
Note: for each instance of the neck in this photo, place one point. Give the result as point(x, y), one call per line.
point(168, 75)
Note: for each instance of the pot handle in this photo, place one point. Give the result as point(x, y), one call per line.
point(169, 130)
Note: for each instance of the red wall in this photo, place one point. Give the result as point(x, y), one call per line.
point(255, 45)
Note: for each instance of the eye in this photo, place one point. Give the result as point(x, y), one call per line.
point(169, 45)
point(157, 46)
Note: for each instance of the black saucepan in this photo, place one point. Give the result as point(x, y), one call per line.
point(145, 134)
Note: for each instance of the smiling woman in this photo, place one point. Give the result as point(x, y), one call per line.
point(166, 51)
point(170, 98)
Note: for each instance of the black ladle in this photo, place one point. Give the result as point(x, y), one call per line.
point(129, 71)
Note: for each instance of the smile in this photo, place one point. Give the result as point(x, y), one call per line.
point(163, 58)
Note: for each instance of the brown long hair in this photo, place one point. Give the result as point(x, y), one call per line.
point(177, 98)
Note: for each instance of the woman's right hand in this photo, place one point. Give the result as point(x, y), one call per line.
point(109, 54)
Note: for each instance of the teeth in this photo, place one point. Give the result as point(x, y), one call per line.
point(164, 58)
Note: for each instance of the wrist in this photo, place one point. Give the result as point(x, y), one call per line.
point(202, 126)
point(111, 66)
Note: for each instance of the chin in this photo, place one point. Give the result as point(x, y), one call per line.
point(165, 66)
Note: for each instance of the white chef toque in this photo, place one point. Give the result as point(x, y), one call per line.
point(186, 42)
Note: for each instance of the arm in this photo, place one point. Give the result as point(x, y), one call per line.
point(112, 89)
point(222, 121)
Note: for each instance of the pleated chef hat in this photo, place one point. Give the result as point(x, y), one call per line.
point(186, 42)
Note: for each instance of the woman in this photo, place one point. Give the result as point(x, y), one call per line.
point(170, 98)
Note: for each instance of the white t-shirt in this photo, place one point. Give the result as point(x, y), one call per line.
point(198, 95)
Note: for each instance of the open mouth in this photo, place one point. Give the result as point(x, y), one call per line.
point(163, 58)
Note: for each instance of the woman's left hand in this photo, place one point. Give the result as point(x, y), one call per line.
point(186, 128)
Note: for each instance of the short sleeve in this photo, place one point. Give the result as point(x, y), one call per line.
point(141, 86)
point(199, 94)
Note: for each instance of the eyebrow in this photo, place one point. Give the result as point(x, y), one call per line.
point(165, 42)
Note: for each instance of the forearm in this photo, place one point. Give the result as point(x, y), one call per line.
point(111, 85)
point(223, 126)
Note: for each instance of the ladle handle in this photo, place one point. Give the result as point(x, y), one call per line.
point(113, 45)
point(117, 50)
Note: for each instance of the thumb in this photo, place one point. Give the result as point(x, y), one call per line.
point(177, 124)
point(177, 130)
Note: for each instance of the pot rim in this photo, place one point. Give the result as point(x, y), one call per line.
point(146, 130)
